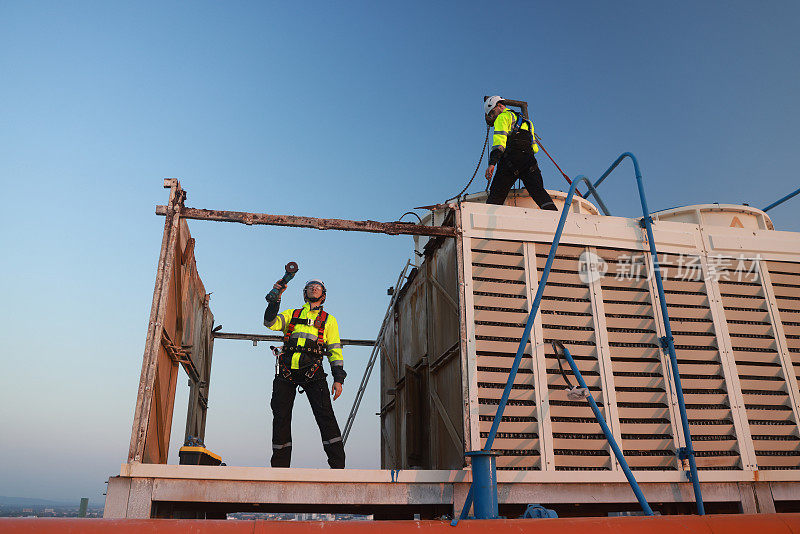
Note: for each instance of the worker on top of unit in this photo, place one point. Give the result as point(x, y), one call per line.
point(309, 334)
point(513, 149)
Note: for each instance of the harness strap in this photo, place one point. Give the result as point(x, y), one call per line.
point(292, 323)
point(319, 324)
point(518, 123)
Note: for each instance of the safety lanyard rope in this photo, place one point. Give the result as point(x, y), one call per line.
point(539, 142)
point(483, 151)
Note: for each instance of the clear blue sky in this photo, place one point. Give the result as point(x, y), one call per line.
point(351, 110)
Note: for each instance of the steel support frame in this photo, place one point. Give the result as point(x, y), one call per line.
point(173, 212)
point(255, 338)
point(147, 381)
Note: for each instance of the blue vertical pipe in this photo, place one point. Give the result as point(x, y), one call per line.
point(698, 497)
point(609, 436)
point(484, 484)
point(781, 201)
point(498, 416)
point(531, 316)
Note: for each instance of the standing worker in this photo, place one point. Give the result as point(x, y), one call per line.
point(513, 148)
point(310, 333)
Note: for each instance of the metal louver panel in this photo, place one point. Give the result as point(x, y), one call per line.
point(768, 404)
point(641, 392)
point(785, 277)
point(708, 405)
point(501, 309)
point(566, 315)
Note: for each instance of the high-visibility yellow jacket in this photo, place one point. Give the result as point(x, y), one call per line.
point(502, 128)
point(307, 333)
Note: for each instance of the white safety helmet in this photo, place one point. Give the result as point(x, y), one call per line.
point(312, 282)
point(490, 103)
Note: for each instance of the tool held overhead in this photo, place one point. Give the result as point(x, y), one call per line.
point(291, 269)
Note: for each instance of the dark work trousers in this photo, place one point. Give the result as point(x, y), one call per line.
point(518, 164)
point(316, 389)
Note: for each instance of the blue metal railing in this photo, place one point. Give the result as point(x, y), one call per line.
point(781, 201)
point(593, 191)
point(667, 340)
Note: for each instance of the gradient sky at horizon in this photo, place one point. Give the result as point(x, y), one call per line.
point(357, 110)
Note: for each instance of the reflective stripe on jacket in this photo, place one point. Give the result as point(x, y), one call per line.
point(307, 333)
point(503, 125)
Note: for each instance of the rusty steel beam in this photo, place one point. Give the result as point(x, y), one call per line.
point(391, 228)
point(268, 337)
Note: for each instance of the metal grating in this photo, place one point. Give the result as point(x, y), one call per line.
point(566, 314)
point(711, 421)
point(644, 414)
point(768, 405)
point(501, 309)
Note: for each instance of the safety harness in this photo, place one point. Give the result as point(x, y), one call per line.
point(518, 123)
point(518, 138)
point(314, 350)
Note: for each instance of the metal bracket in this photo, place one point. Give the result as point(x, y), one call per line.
point(664, 342)
point(683, 456)
point(180, 355)
point(577, 393)
point(643, 224)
